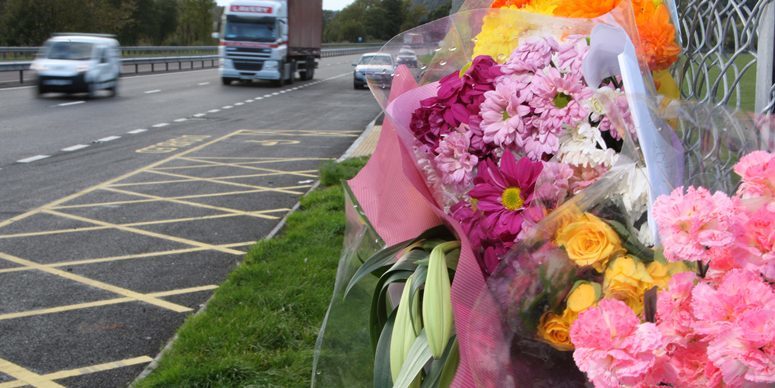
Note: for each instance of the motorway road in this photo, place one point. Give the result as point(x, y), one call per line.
point(120, 216)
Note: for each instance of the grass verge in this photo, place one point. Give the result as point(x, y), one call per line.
point(260, 326)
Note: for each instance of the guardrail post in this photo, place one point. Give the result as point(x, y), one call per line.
point(21, 76)
point(765, 71)
point(166, 66)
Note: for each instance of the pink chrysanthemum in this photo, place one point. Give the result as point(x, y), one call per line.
point(553, 185)
point(758, 172)
point(738, 319)
point(531, 55)
point(503, 193)
point(571, 53)
point(454, 161)
point(696, 225)
point(612, 347)
point(503, 113)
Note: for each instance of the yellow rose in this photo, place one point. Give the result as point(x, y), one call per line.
point(629, 270)
point(588, 240)
point(555, 330)
point(662, 273)
point(583, 296)
point(631, 296)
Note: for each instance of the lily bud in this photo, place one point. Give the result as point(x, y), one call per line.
point(403, 330)
point(437, 301)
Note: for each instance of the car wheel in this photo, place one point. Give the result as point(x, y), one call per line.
point(356, 86)
point(40, 90)
point(114, 89)
point(91, 90)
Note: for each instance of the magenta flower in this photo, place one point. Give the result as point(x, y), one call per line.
point(758, 172)
point(503, 114)
point(454, 161)
point(612, 347)
point(696, 225)
point(503, 193)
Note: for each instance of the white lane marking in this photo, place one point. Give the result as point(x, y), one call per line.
point(153, 91)
point(275, 94)
point(248, 101)
point(203, 83)
point(200, 115)
point(71, 103)
point(259, 98)
point(136, 131)
point(159, 125)
point(268, 95)
point(180, 120)
point(283, 91)
point(74, 148)
point(32, 158)
point(227, 107)
point(107, 139)
point(239, 104)
point(213, 110)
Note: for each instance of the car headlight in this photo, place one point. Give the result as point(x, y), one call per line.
point(359, 73)
point(38, 67)
point(270, 65)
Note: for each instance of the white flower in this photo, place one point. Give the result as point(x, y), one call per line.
point(584, 146)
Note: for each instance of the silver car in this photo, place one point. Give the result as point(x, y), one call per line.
point(375, 67)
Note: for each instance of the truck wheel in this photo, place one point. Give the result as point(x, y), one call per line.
point(226, 81)
point(308, 74)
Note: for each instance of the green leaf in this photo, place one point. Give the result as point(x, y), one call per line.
point(631, 243)
point(382, 377)
point(379, 302)
point(446, 363)
point(383, 259)
point(418, 356)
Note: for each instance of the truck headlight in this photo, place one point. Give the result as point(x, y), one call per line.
point(270, 65)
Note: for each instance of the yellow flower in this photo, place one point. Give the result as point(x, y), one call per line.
point(500, 33)
point(666, 84)
point(662, 273)
point(555, 330)
point(627, 279)
point(631, 295)
point(583, 296)
point(544, 7)
point(588, 240)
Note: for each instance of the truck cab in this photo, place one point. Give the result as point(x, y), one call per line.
point(269, 40)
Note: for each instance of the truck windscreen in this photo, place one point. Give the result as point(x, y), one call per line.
point(252, 30)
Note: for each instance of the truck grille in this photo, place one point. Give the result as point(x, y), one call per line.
point(254, 66)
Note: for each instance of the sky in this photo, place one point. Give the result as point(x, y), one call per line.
point(333, 5)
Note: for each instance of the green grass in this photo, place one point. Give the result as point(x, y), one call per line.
point(747, 83)
point(259, 329)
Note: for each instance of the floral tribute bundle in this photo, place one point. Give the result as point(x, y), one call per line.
point(557, 277)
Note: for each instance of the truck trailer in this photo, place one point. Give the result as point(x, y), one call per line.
point(270, 40)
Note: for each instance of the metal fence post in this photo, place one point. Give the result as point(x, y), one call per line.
point(765, 71)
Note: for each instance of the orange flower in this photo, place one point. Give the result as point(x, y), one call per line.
point(508, 3)
point(657, 34)
point(584, 9)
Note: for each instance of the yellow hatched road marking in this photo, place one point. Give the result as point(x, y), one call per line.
point(260, 159)
point(85, 370)
point(194, 204)
point(244, 165)
point(100, 303)
point(296, 133)
point(247, 167)
point(148, 233)
point(217, 177)
point(25, 376)
point(125, 257)
point(227, 183)
point(111, 181)
point(96, 284)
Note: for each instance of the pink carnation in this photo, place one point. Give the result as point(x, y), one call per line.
point(503, 113)
point(454, 161)
point(738, 319)
point(686, 366)
point(674, 309)
point(612, 347)
point(758, 172)
point(696, 225)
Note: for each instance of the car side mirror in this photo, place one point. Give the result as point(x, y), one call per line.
point(215, 35)
point(355, 64)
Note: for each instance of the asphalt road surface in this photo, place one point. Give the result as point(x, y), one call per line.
point(120, 216)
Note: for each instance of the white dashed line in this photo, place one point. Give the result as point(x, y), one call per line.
point(75, 148)
point(248, 101)
point(275, 94)
point(213, 110)
point(71, 103)
point(180, 120)
point(32, 158)
point(227, 107)
point(200, 115)
point(268, 95)
point(203, 83)
point(259, 98)
point(107, 139)
point(136, 131)
point(239, 104)
point(159, 125)
point(153, 91)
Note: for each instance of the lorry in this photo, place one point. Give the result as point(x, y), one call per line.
point(270, 40)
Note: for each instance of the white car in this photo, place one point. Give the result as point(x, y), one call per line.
point(78, 63)
point(407, 56)
point(375, 67)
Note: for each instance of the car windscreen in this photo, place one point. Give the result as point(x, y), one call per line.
point(250, 29)
point(74, 51)
point(376, 60)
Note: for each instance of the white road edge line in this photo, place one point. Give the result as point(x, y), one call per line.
point(136, 131)
point(152, 91)
point(248, 101)
point(107, 139)
point(159, 125)
point(227, 107)
point(74, 148)
point(71, 103)
point(32, 158)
